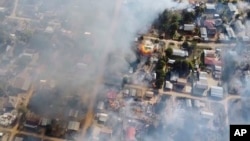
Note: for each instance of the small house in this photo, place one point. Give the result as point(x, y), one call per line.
point(49, 30)
point(19, 139)
point(168, 85)
point(202, 83)
point(174, 76)
point(206, 114)
point(209, 53)
point(171, 61)
point(31, 121)
point(149, 94)
point(181, 82)
point(189, 27)
point(199, 104)
point(189, 103)
point(217, 68)
point(180, 53)
point(239, 26)
point(232, 9)
point(210, 25)
point(102, 117)
point(73, 113)
point(203, 32)
point(223, 37)
point(211, 61)
point(188, 89)
point(21, 84)
point(133, 92)
point(230, 32)
point(45, 122)
point(216, 92)
point(210, 8)
point(100, 105)
point(73, 126)
point(130, 134)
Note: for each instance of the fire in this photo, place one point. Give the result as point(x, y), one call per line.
point(146, 48)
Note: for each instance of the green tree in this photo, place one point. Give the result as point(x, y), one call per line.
point(185, 65)
point(198, 10)
point(73, 102)
point(159, 83)
point(169, 52)
point(188, 17)
point(160, 64)
point(176, 17)
point(22, 109)
point(177, 66)
point(192, 47)
point(173, 28)
point(202, 58)
point(160, 74)
point(185, 45)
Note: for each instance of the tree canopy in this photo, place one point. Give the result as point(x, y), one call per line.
point(182, 66)
point(188, 17)
point(169, 52)
point(168, 22)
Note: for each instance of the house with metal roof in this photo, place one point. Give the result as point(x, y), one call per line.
point(230, 32)
point(130, 134)
point(73, 125)
point(180, 53)
point(232, 9)
point(210, 8)
point(239, 26)
point(168, 85)
point(22, 84)
point(207, 114)
point(216, 92)
point(188, 27)
point(203, 32)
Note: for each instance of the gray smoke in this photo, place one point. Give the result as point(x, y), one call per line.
point(106, 48)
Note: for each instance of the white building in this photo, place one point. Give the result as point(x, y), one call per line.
point(74, 125)
point(230, 32)
point(199, 104)
point(8, 118)
point(189, 103)
point(239, 26)
point(171, 61)
point(168, 85)
point(232, 8)
point(180, 53)
point(149, 94)
point(206, 114)
point(203, 32)
point(189, 27)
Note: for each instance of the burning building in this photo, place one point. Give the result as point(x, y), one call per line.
point(147, 47)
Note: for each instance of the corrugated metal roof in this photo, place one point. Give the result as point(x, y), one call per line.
point(232, 7)
point(74, 125)
point(216, 91)
point(189, 27)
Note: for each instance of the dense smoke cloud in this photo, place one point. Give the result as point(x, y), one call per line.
point(111, 43)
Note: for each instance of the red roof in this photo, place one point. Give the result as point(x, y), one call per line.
point(209, 24)
point(131, 134)
point(212, 61)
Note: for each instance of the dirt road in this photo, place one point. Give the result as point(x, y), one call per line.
point(13, 14)
point(98, 82)
point(174, 94)
point(28, 134)
point(177, 43)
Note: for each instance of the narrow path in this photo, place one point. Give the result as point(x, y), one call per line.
point(97, 84)
point(13, 14)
